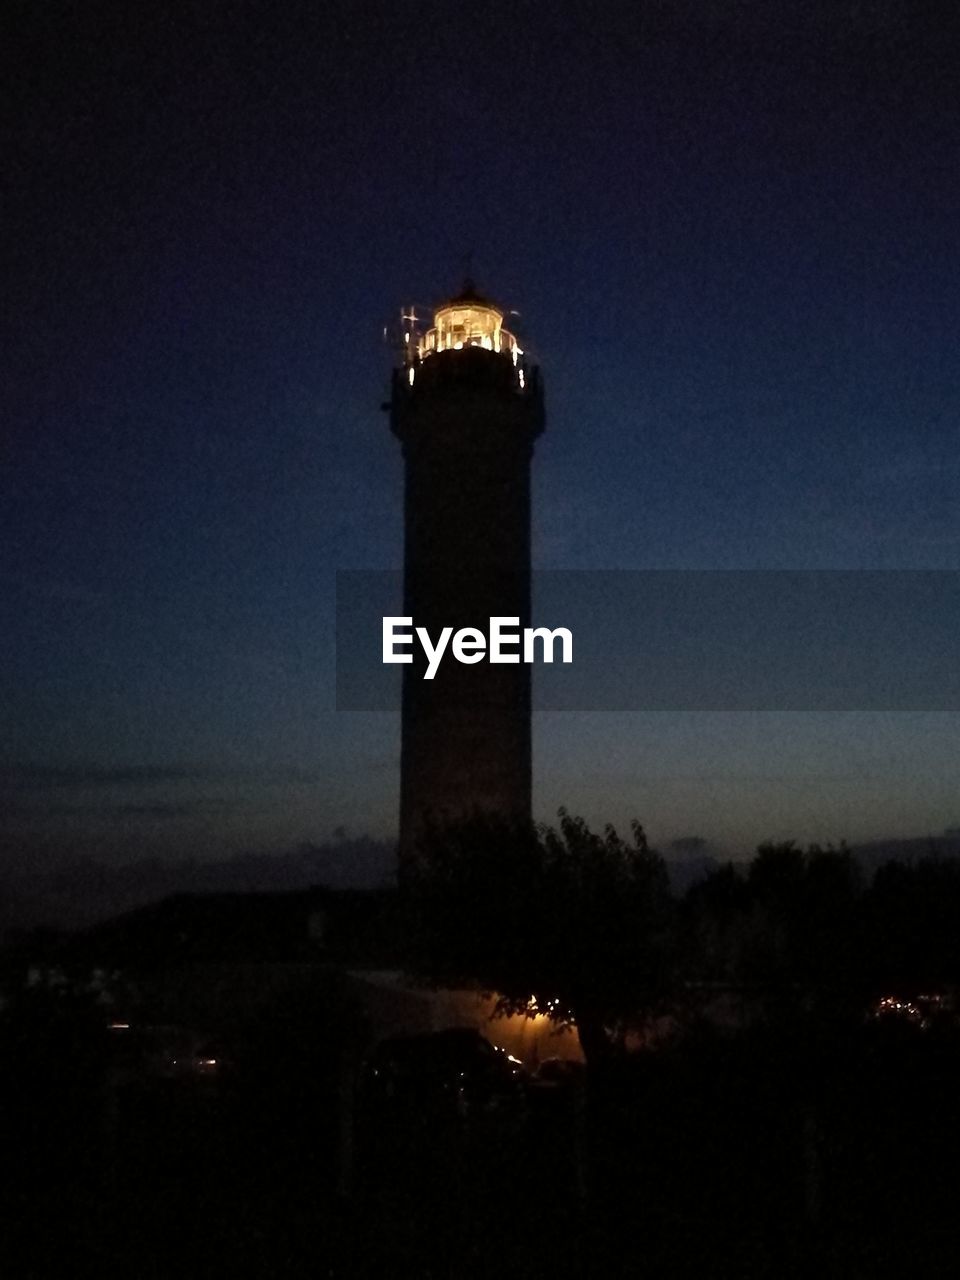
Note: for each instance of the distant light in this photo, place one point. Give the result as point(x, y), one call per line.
point(406, 337)
point(520, 375)
point(411, 375)
point(119, 1026)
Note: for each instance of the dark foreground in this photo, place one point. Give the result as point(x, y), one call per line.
point(752, 1157)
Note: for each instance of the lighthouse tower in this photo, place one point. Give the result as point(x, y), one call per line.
point(466, 406)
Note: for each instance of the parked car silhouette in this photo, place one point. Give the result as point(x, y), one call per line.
point(457, 1072)
point(560, 1073)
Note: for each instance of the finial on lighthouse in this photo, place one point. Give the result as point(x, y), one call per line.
point(470, 293)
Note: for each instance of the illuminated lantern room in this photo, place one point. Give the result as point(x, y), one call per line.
point(467, 320)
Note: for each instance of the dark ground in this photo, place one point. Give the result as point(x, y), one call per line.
point(751, 1158)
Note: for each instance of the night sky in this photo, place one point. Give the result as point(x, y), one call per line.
point(731, 233)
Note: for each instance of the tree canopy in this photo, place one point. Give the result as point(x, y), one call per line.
point(582, 926)
point(562, 920)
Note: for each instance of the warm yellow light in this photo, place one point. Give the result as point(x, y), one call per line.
point(411, 375)
point(464, 324)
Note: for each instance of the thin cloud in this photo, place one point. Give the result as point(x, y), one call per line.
point(28, 776)
point(158, 810)
point(39, 777)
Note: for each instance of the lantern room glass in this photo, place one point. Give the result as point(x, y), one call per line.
point(467, 325)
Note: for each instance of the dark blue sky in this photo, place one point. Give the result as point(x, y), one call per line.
point(731, 232)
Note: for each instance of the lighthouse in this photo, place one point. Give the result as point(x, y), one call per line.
point(467, 406)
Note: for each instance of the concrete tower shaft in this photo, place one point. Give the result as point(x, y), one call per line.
point(467, 407)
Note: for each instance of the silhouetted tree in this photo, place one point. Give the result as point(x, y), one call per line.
point(789, 926)
point(570, 922)
point(913, 924)
point(714, 911)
